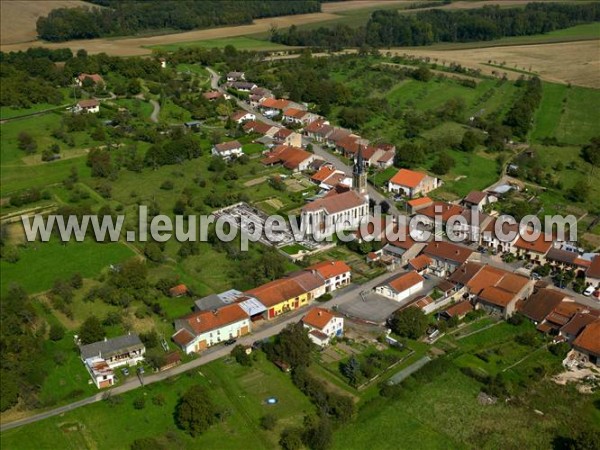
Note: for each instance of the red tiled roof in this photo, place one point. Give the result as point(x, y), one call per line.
point(388, 155)
point(275, 103)
point(420, 201)
point(225, 146)
point(406, 281)
point(89, 103)
point(238, 115)
point(577, 323)
point(93, 76)
point(589, 339)
point(323, 173)
point(408, 178)
point(442, 209)
point(210, 95)
point(542, 303)
point(448, 251)
point(338, 134)
point(594, 269)
point(422, 301)
point(496, 296)
point(475, 197)
point(276, 292)
point(295, 113)
point(203, 321)
point(180, 289)
point(420, 262)
point(183, 337)
point(336, 203)
point(335, 179)
point(542, 244)
point(318, 318)
point(330, 269)
point(314, 126)
point(459, 309)
point(290, 157)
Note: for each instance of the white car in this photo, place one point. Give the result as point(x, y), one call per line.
point(589, 291)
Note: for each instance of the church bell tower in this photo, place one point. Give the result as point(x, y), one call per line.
point(359, 176)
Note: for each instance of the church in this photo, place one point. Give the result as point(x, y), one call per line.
point(343, 208)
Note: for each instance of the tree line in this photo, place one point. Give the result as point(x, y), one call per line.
point(127, 17)
point(387, 28)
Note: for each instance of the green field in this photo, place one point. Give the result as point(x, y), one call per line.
point(7, 112)
point(239, 392)
point(240, 43)
point(569, 114)
point(40, 264)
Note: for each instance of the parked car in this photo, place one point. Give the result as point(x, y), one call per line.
point(230, 341)
point(535, 276)
point(589, 291)
point(125, 371)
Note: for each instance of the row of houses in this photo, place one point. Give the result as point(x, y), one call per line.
point(230, 315)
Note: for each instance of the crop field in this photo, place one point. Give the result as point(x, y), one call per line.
point(241, 43)
point(239, 392)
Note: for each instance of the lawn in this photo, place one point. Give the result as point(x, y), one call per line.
point(293, 249)
point(253, 149)
point(7, 112)
point(238, 391)
point(40, 264)
point(241, 43)
point(568, 114)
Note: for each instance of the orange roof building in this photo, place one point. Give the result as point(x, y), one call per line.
point(202, 329)
point(588, 342)
point(323, 325)
point(402, 286)
point(411, 183)
point(280, 296)
point(292, 158)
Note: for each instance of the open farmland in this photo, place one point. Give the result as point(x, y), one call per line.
point(567, 62)
point(18, 18)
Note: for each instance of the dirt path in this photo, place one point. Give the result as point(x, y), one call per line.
point(156, 111)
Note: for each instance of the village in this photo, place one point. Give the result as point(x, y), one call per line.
point(447, 282)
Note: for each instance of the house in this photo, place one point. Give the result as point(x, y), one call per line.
point(318, 130)
point(470, 227)
point(209, 303)
point(420, 264)
point(312, 283)
point(417, 204)
point(577, 323)
point(458, 310)
point(411, 183)
point(271, 107)
point(323, 325)
point(446, 257)
point(280, 296)
point(102, 357)
point(477, 199)
point(440, 211)
point(329, 214)
point(259, 127)
point(386, 159)
point(592, 274)
point(588, 342)
point(293, 158)
point(298, 116)
point(178, 291)
point(336, 136)
point(243, 86)
point(242, 116)
point(497, 290)
point(257, 95)
point(534, 251)
point(403, 249)
point(402, 286)
point(201, 329)
point(212, 96)
point(93, 77)
point(541, 303)
point(502, 239)
point(336, 274)
point(228, 150)
point(425, 303)
point(323, 173)
point(285, 136)
point(236, 76)
point(87, 106)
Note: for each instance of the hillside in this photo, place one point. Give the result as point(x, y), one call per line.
point(18, 17)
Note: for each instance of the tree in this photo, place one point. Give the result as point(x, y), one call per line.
point(26, 142)
point(91, 330)
point(351, 370)
point(317, 434)
point(56, 332)
point(292, 346)
point(268, 421)
point(586, 440)
point(409, 322)
point(195, 411)
point(240, 355)
point(591, 152)
point(470, 141)
point(153, 252)
point(291, 439)
point(443, 165)
point(139, 403)
point(580, 192)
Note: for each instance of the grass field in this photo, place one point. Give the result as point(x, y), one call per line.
point(40, 264)
point(239, 392)
point(7, 112)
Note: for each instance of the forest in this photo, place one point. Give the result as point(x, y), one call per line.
point(388, 28)
point(127, 17)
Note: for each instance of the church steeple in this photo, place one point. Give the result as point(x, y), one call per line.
point(359, 176)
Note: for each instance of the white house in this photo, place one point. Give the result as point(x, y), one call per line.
point(199, 330)
point(228, 150)
point(87, 106)
point(327, 215)
point(322, 326)
point(242, 116)
point(401, 287)
point(411, 183)
point(336, 274)
point(100, 358)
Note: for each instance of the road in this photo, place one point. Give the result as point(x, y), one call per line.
point(318, 150)
point(269, 329)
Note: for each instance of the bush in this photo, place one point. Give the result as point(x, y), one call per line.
point(268, 422)
point(139, 403)
point(57, 332)
point(167, 185)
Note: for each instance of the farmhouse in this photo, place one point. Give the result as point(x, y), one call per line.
point(93, 77)
point(228, 150)
point(285, 136)
point(577, 323)
point(199, 330)
point(401, 287)
point(280, 296)
point(212, 96)
point(336, 274)
point(87, 106)
point(411, 184)
point(493, 238)
point(322, 326)
point(534, 251)
point(318, 130)
point(446, 257)
point(293, 158)
point(327, 215)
